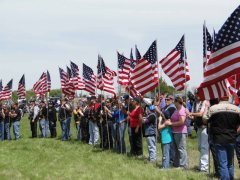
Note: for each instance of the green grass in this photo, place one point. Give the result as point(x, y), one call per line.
point(53, 159)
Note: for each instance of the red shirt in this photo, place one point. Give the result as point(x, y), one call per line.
point(134, 117)
point(95, 106)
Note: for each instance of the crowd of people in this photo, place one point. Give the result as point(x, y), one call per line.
point(102, 123)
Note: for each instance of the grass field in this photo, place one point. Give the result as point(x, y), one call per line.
point(53, 159)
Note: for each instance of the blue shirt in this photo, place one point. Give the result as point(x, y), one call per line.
point(118, 117)
point(162, 103)
point(166, 135)
point(189, 106)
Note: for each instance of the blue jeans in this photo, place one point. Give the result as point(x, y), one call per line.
point(64, 130)
point(203, 148)
point(47, 127)
point(7, 134)
point(130, 138)
point(237, 148)
point(180, 149)
point(1, 130)
point(68, 127)
point(93, 131)
point(16, 129)
point(166, 155)
point(43, 128)
point(121, 132)
point(114, 134)
point(79, 133)
point(188, 124)
point(152, 150)
point(225, 155)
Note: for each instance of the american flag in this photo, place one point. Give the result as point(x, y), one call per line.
point(207, 46)
point(7, 91)
point(21, 92)
point(123, 69)
point(214, 37)
point(225, 58)
point(69, 73)
point(130, 88)
point(48, 82)
point(66, 85)
point(132, 91)
point(105, 77)
point(1, 88)
point(173, 66)
point(144, 76)
point(76, 79)
point(138, 55)
point(132, 61)
point(216, 90)
point(236, 79)
point(235, 85)
point(40, 87)
point(89, 79)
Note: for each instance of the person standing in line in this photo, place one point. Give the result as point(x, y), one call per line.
point(42, 119)
point(52, 117)
point(65, 113)
point(224, 119)
point(85, 122)
point(128, 107)
point(136, 117)
point(15, 116)
point(200, 109)
point(150, 122)
point(120, 122)
point(179, 130)
point(166, 133)
point(2, 116)
point(107, 125)
point(7, 123)
point(94, 111)
point(78, 114)
point(33, 117)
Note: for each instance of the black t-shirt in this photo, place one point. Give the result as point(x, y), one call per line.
point(7, 118)
point(223, 127)
point(1, 115)
point(18, 117)
point(52, 114)
point(43, 112)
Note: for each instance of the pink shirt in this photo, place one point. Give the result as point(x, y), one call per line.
point(175, 117)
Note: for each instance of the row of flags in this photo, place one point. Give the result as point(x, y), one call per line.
point(6, 92)
point(221, 67)
point(221, 59)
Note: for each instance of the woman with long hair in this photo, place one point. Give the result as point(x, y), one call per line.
point(179, 131)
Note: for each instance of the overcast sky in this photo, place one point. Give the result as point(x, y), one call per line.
point(40, 35)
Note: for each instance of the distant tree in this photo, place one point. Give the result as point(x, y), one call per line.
point(30, 94)
point(165, 88)
point(55, 92)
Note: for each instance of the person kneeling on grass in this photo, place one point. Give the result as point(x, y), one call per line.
point(149, 123)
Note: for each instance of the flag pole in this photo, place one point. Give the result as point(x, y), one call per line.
point(101, 120)
point(158, 70)
point(106, 118)
point(205, 56)
point(205, 47)
point(185, 73)
point(119, 94)
point(158, 95)
point(101, 107)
